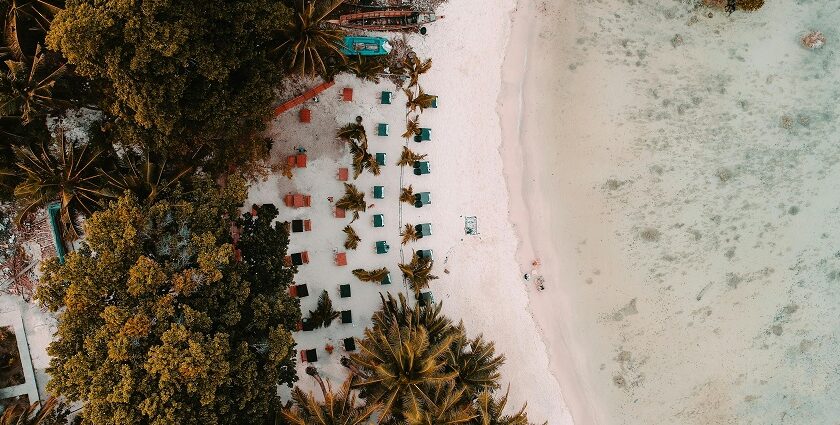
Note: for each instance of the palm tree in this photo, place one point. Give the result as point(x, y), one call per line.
point(418, 273)
point(352, 241)
point(26, 22)
point(409, 234)
point(366, 68)
point(21, 414)
point(324, 312)
point(414, 68)
point(476, 362)
point(420, 100)
point(353, 200)
point(338, 408)
point(371, 276)
point(412, 127)
point(447, 405)
point(407, 157)
point(68, 174)
point(26, 88)
point(145, 177)
point(352, 132)
point(306, 40)
point(397, 311)
point(398, 367)
point(407, 195)
point(491, 411)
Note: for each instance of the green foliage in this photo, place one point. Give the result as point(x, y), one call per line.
point(420, 100)
point(366, 68)
point(407, 157)
point(26, 86)
point(418, 273)
point(146, 176)
point(352, 241)
point(337, 408)
point(160, 324)
point(324, 312)
point(306, 42)
point(409, 234)
point(353, 200)
point(52, 412)
point(176, 73)
point(423, 370)
point(750, 5)
point(371, 275)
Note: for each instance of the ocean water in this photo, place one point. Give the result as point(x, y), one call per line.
point(690, 163)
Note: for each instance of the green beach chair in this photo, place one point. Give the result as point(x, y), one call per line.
point(386, 98)
point(378, 192)
point(425, 299)
point(380, 158)
point(382, 247)
point(387, 279)
point(423, 230)
point(424, 136)
point(424, 254)
point(422, 198)
point(344, 290)
point(421, 167)
point(346, 317)
point(382, 129)
point(379, 220)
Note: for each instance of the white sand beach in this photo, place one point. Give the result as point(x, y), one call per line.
point(676, 173)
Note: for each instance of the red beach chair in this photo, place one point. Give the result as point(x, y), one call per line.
point(347, 94)
point(301, 160)
point(289, 200)
point(305, 257)
point(341, 259)
point(307, 225)
point(343, 174)
point(305, 115)
point(340, 213)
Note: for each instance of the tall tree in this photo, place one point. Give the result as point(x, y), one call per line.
point(159, 321)
point(306, 41)
point(178, 72)
point(26, 87)
point(337, 408)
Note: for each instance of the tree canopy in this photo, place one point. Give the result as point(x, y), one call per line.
point(165, 319)
point(177, 71)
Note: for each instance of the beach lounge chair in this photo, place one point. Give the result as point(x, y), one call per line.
point(340, 213)
point(301, 160)
point(291, 160)
point(298, 259)
point(423, 230)
point(382, 247)
point(344, 290)
point(424, 136)
point(378, 192)
point(305, 325)
point(346, 316)
point(424, 253)
point(386, 98)
point(350, 344)
point(343, 174)
point(380, 158)
point(299, 291)
point(387, 279)
point(382, 129)
point(305, 115)
point(421, 167)
point(435, 103)
point(425, 298)
point(309, 356)
point(341, 259)
point(378, 220)
point(347, 94)
point(422, 198)
point(299, 226)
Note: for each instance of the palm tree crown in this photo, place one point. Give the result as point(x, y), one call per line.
point(418, 273)
point(338, 408)
point(26, 89)
point(306, 40)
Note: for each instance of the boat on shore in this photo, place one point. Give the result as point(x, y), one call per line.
point(386, 20)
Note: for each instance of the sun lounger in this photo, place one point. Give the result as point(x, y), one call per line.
point(378, 192)
point(380, 158)
point(299, 226)
point(421, 167)
point(305, 115)
point(382, 247)
point(378, 220)
point(382, 129)
point(301, 160)
point(298, 259)
point(425, 299)
point(344, 290)
point(424, 253)
point(306, 325)
point(386, 98)
point(349, 344)
point(309, 356)
point(340, 213)
point(291, 160)
point(347, 94)
point(422, 198)
point(341, 259)
point(299, 291)
point(387, 279)
point(346, 317)
point(423, 230)
point(424, 136)
point(343, 174)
